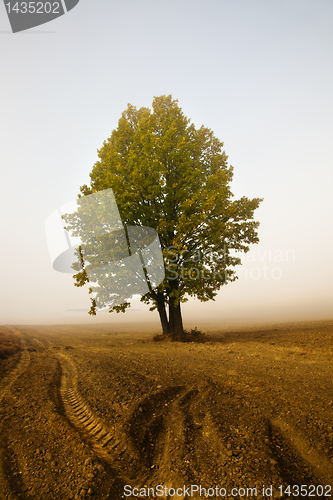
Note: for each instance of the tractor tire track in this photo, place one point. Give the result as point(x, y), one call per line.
point(193, 426)
point(9, 478)
point(20, 368)
point(167, 429)
point(112, 447)
point(295, 455)
point(77, 410)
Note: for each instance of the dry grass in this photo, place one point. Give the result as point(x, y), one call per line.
point(193, 335)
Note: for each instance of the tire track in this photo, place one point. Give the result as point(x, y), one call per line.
point(188, 431)
point(294, 454)
point(167, 429)
point(38, 342)
point(20, 368)
point(78, 411)
point(113, 447)
point(147, 422)
point(140, 453)
point(157, 430)
point(10, 480)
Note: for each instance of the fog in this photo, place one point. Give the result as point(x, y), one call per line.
point(258, 73)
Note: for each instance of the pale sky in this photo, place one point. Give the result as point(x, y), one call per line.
point(259, 73)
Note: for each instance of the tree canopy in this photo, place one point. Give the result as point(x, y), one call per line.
point(172, 177)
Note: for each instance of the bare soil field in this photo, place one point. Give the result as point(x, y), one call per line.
point(107, 412)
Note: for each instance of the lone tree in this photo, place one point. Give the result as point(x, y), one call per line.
point(170, 176)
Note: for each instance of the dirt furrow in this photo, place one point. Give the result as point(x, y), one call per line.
point(20, 368)
point(298, 461)
point(87, 412)
point(78, 412)
point(114, 448)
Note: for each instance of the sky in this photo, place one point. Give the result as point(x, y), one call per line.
point(259, 73)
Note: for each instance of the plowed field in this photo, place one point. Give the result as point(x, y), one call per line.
point(107, 412)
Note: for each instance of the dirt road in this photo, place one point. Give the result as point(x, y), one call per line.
point(103, 412)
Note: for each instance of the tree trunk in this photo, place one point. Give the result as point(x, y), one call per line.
point(171, 315)
point(175, 318)
point(163, 316)
point(179, 329)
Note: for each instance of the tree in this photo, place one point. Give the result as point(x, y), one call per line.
point(172, 177)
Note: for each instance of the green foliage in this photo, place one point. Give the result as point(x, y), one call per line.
point(168, 175)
